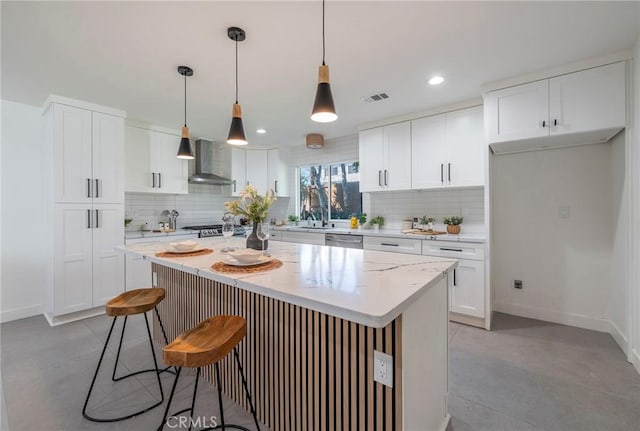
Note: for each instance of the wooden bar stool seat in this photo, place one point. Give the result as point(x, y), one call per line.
point(138, 301)
point(205, 344)
point(134, 302)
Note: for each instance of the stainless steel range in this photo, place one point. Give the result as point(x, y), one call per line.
point(206, 231)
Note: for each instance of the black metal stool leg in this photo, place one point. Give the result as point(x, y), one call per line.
point(193, 400)
point(115, 365)
point(104, 349)
point(219, 386)
point(246, 389)
point(173, 390)
point(166, 340)
point(153, 353)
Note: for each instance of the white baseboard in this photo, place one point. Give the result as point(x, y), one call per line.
point(445, 423)
point(635, 360)
point(563, 318)
point(20, 313)
point(73, 317)
point(619, 337)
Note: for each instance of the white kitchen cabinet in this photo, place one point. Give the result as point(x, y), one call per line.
point(87, 147)
point(257, 170)
point(395, 245)
point(277, 178)
point(88, 271)
point(151, 165)
point(466, 288)
point(238, 170)
point(303, 237)
point(84, 204)
point(385, 158)
point(576, 108)
point(448, 150)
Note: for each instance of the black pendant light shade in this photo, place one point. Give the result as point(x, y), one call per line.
point(324, 110)
point(185, 150)
point(236, 130)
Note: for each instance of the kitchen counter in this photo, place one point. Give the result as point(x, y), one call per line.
point(136, 234)
point(314, 327)
point(463, 237)
point(363, 286)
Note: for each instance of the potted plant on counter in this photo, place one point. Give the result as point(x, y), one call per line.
point(453, 224)
point(362, 220)
point(293, 219)
point(255, 208)
point(427, 223)
point(377, 222)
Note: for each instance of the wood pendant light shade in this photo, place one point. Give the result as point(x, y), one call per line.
point(185, 132)
point(315, 141)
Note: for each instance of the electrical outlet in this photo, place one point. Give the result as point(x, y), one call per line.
point(383, 368)
point(154, 279)
point(517, 284)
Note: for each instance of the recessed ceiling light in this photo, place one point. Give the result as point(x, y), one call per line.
point(435, 80)
point(261, 131)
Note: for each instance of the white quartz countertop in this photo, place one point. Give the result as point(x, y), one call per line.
point(135, 234)
point(363, 286)
point(463, 237)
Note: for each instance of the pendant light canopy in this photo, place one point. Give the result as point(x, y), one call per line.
point(324, 111)
point(236, 131)
point(185, 150)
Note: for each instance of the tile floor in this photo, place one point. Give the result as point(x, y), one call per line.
point(525, 375)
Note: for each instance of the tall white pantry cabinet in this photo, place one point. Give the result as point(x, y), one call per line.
point(84, 199)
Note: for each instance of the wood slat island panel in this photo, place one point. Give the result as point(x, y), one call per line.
point(306, 370)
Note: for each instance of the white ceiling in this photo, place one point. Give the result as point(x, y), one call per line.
point(125, 55)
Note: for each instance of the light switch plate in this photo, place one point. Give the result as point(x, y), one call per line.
point(383, 368)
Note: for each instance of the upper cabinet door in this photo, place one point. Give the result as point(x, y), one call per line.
point(371, 158)
point(108, 152)
point(519, 112)
point(588, 100)
point(257, 170)
point(171, 172)
point(466, 148)
point(278, 179)
point(72, 142)
point(138, 170)
point(397, 172)
point(428, 149)
point(238, 170)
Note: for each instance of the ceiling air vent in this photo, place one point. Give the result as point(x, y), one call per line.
point(377, 97)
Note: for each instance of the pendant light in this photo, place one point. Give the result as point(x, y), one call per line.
point(324, 111)
point(236, 131)
point(185, 150)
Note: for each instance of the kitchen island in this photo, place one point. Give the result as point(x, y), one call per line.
point(312, 327)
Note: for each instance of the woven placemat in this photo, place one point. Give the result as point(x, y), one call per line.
point(202, 252)
point(224, 267)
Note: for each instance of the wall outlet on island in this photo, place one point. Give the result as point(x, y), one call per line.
point(383, 368)
point(154, 279)
point(517, 284)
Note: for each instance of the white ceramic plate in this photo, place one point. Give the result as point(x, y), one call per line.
point(263, 259)
point(174, 250)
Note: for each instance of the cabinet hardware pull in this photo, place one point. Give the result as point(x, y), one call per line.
point(442, 173)
point(454, 277)
point(380, 178)
point(555, 122)
point(97, 219)
point(544, 123)
point(234, 186)
point(88, 219)
point(451, 249)
point(386, 177)
point(449, 171)
point(276, 186)
point(97, 189)
point(153, 180)
point(88, 187)
point(159, 180)
point(390, 244)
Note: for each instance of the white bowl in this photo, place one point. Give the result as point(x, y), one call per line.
point(184, 245)
point(246, 255)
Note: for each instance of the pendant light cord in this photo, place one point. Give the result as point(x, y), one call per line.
point(236, 38)
point(323, 33)
point(185, 100)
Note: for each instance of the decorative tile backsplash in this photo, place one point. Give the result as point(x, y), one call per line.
point(203, 205)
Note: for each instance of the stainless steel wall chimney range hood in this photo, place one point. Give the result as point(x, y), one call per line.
point(205, 166)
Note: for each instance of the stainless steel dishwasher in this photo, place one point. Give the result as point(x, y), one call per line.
point(341, 240)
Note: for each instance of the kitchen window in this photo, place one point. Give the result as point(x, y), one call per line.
point(329, 192)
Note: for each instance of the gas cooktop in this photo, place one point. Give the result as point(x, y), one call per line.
point(209, 230)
